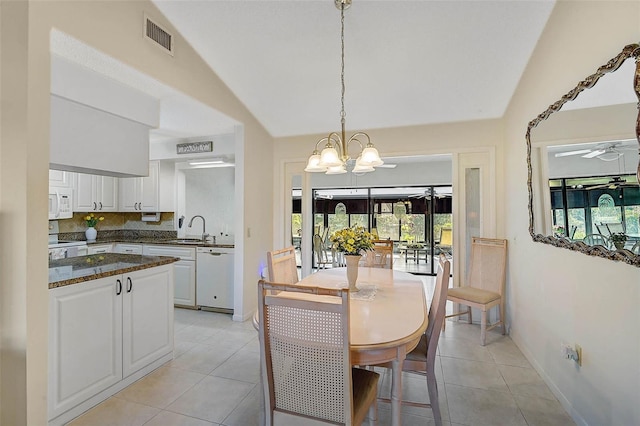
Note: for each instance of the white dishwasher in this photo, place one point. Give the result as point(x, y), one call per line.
point(214, 282)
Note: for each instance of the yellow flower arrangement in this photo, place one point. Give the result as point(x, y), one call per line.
point(352, 241)
point(92, 220)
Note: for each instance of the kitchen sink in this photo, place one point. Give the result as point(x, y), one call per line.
point(186, 241)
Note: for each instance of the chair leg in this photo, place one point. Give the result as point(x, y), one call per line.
point(502, 318)
point(373, 413)
point(469, 315)
point(432, 387)
point(483, 327)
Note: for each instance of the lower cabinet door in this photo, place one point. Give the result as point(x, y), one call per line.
point(147, 317)
point(185, 283)
point(85, 342)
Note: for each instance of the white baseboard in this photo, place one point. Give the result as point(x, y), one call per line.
point(566, 404)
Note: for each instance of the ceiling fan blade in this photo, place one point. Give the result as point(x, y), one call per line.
point(576, 152)
point(386, 166)
point(594, 153)
point(604, 185)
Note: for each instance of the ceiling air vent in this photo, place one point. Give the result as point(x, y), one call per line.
point(158, 35)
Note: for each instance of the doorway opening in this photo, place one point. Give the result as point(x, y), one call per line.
point(418, 219)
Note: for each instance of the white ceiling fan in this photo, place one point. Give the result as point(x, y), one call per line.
point(609, 151)
point(428, 194)
point(614, 183)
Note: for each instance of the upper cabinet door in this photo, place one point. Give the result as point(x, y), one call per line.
point(129, 188)
point(150, 189)
point(60, 179)
point(107, 193)
point(84, 193)
point(94, 193)
point(141, 194)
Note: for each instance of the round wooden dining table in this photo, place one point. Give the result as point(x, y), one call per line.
point(385, 327)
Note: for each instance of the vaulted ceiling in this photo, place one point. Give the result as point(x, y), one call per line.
point(407, 62)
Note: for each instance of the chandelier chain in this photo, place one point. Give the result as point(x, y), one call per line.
point(335, 155)
point(342, 113)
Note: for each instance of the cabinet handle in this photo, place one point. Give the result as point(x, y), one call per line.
point(135, 206)
point(118, 287)
point(95, 207)
point(100, 205)
point(129, 285)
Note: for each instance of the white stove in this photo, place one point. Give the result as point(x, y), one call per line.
point(61, 249)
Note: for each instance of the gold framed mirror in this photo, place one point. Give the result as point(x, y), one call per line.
point(584, 166)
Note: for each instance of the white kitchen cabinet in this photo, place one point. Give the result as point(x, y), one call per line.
point(60, 179)
point(93, 193)
point(104, 334)
point(184, 293)
point(126, 248)
point(141, 194)
point(99, 248)
point(85, 342)
point(147, 317)
point(185, 283)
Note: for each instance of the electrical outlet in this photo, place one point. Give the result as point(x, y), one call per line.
point(579, 353)
point(570, 352)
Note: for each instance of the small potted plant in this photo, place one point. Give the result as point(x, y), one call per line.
point(558, 231)
point(92, 221)
point(618, 239)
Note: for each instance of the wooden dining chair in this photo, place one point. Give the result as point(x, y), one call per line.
point(281, 265)
point(305, 358)
point(445, 244)
point(422, 359)
point(485, 283)
point(320, 252)
point(381, 256)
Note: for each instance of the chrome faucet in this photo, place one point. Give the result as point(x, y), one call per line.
point(204, 231)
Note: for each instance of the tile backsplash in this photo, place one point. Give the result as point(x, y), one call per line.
point(116, 221)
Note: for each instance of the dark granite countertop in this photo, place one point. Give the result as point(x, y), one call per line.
point(140, 237)
point(171, 242)
point(74, 270)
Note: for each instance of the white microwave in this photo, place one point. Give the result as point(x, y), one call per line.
point(60, 203)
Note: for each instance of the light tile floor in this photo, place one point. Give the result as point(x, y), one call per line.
point(214, 378)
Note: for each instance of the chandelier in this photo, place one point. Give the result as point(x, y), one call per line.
point(335, 154)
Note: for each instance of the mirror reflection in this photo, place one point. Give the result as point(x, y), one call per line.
point(584, 165)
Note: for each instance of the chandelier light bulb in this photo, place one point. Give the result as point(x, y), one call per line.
point(313, 165)
point(371, 157)
point(336, 170)
point(330, 157)
point(362, 168)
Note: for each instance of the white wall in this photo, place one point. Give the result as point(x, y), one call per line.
point(114, 28)
point(554, 294)
point(211, 194)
